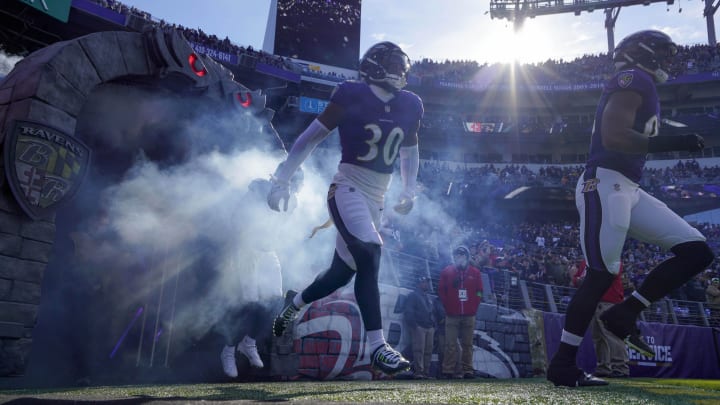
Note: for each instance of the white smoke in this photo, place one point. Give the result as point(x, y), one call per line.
point(7, 62)
point(185, 233)
point(197, 221)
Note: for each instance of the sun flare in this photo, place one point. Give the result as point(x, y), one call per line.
point(529, 44)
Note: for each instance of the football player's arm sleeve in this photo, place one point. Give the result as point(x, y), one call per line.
point(301, 149)
point(409, 165)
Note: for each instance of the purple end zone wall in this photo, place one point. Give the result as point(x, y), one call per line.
point(681, 351)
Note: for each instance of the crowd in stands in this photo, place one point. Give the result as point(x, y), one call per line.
point(200, 37)
point(543, 252)
point(691, 59)
point(547, 253)
point(121, 8)
point(686, 179)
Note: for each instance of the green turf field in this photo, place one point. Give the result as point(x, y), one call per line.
point(516, 391)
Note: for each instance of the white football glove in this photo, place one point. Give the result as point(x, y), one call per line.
point(405, 205)
point(279, 191)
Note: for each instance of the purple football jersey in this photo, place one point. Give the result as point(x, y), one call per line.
point(647, 119)
point(371, 130)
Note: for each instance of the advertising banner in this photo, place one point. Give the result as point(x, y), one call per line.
point(277, 72)
point(214, 53)
point(99, 11)
point(681, 351)
point(312, 105)
point(547, 87)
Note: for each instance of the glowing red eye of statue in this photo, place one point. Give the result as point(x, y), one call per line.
point(192, 60)
point(246, 101)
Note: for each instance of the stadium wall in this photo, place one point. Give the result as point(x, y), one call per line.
point(328, 340)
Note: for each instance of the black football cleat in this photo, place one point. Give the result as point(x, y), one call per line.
point(284, 319)
point(623, 325)
point(571, 376)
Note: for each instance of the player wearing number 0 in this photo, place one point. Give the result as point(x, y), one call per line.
point(612, 205)
point(377, 122)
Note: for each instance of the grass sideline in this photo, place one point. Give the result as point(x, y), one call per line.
point(511, 391)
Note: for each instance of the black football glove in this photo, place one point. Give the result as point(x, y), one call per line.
point(694, 142)
point(687, 142)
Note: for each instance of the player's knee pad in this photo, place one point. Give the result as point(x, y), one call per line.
point(696, 255)
point(366, 255)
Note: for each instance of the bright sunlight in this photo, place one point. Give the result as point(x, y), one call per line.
point(530, 44)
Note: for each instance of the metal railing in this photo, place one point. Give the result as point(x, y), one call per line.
point(507, 290)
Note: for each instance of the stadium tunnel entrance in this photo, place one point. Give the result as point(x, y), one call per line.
point(74, 118)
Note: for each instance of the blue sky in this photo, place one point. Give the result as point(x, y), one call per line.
point(451, 29)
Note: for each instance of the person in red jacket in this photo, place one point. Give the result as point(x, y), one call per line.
point(460, 290)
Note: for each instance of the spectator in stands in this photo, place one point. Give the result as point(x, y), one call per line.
point(483, 256)
point(612, 205)
point(557, 272)
point(628, 285)
point(694, 290)
point(421, 317)
point(460, 290)
point(712, 294)
point(612, 357)
point(475, 258)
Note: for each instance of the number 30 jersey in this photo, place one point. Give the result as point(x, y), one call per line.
point(371, 130)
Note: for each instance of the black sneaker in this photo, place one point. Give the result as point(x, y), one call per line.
point(284, 318)
point(622, 324)
point(618, 374)
point(571, 376)
point(389, 360)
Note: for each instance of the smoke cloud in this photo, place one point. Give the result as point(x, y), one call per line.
point(7, 62)
point(172, 219)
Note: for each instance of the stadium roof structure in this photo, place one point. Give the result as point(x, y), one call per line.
point(518, 10)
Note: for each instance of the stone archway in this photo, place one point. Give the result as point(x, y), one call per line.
point(46, 92)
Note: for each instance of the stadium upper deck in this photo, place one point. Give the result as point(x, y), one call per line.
point(524, 116)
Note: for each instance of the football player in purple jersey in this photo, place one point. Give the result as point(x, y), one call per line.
point(377, 122)
point(612, 205)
